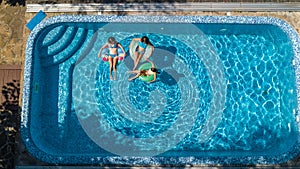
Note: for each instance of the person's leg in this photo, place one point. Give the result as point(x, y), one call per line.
point(134, 61)
point(110, 60)
point(115, 62)
point(136, 76)
point(137, 60)
point(133, 71)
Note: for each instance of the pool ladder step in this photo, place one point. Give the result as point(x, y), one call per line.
point(71, 48)
point(63, 42)
point(54, 35)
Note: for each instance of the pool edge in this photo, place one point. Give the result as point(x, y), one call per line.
point(153, 19)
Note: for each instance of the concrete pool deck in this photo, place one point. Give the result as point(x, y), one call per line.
point(14, 35)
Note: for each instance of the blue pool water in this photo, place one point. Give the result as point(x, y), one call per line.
point(226, 93)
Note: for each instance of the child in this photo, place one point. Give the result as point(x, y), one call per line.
point(148, 72)
point(112, 45)
point(143, 43)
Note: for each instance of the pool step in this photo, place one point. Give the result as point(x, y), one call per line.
point(72, 46)
point(54, 35)
point(65, 112)
point(89, 48)
point(52, 41)
point(62, 42)
point(86, 45)
point(65, 100)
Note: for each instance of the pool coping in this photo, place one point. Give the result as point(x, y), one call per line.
point(25, 122)
point(163, 7)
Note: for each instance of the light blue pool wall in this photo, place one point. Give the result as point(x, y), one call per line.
point(30, 66)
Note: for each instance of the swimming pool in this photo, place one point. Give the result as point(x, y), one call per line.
point(227, 92)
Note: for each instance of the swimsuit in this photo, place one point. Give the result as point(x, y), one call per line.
point(112, 55)
point(141, 51)
point(114, 46)
point(142, 45)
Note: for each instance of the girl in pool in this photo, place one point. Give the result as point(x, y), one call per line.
point(112, 45)
point(152, 71)
point(143, 43)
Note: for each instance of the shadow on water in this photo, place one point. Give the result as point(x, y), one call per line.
point(164, 58)
point(9, 123)
point(170, 76)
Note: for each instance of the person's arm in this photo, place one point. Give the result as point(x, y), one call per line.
point(152, 63)
point(133, 71)
point(136, 39)
point(122, 49)
point(100, 51)
point(136, 76)
point(154, 78)
point(153, 66)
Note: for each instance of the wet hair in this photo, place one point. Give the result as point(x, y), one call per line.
point(112, 40)
point(154, 69)
point(146, 40)
point(143, 72)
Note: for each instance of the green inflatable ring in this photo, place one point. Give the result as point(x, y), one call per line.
point(146, 66)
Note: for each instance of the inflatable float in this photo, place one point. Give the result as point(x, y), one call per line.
point(132, 49)
point(146, 66)
point(104, 55)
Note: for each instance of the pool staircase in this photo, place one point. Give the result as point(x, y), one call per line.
point(62, 43)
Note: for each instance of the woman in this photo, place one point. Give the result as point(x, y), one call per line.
point(112, 45)
point(149, 72)
point(143, 43)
